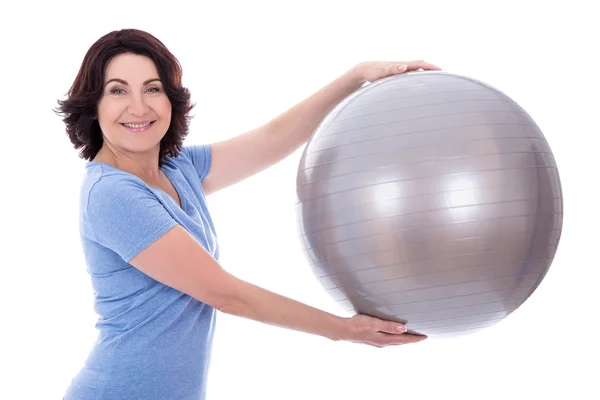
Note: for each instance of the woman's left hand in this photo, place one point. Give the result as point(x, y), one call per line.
point(373, 70)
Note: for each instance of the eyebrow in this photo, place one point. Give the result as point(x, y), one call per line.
point(121, 81)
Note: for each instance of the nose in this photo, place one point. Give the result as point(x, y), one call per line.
point(137, 105)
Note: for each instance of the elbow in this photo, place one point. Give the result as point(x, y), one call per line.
point(229, 299)
point(234, 306)
point(226, 305)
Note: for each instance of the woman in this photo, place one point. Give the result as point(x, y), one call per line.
point(146, 232)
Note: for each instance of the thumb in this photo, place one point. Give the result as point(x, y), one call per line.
point(392, 327)
point(400, 68)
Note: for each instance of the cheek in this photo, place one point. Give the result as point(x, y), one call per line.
point(108, 112)
point(163, 111)
point(165, 108)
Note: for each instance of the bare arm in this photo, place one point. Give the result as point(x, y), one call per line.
point(179, 261)
point(244, 155)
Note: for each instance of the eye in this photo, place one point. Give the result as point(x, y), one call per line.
point(154, 89)
point(116, 91)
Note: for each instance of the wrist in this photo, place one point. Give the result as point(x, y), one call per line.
point(340, 330)
point(354, 77)
point(357, 74)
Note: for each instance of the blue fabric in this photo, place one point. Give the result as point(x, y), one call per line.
point(154, 342)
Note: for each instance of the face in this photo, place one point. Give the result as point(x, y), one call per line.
point(134, 112)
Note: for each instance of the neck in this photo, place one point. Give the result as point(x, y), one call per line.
point(142, 165)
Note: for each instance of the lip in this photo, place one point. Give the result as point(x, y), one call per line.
point(137, 122)
point(145, 128)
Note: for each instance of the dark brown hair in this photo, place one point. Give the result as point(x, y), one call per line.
point(79, 110)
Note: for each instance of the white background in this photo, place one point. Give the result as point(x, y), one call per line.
point(246, 62)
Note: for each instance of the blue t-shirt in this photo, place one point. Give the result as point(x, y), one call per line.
point(154, 341)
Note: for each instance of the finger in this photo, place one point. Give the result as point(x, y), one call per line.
point(421, 64)
point(386, 339)
point(392, 68)
point(392, 340)
point(399, 68)
point(391, 327)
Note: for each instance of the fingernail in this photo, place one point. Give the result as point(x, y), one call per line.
point(402, 67)
point(402, 328)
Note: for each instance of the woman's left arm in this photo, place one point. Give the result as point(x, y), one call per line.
point(242, 156)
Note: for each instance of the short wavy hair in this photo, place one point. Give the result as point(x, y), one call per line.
point(79, 109)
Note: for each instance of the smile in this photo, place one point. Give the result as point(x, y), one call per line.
point(138, 127)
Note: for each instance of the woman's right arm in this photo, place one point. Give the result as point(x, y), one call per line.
point(177, 260)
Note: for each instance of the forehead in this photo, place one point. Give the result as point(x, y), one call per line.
point(131, 67)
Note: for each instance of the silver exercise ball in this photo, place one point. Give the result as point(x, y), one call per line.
point(430, 199)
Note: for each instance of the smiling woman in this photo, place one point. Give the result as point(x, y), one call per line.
point(146, 231)
point(122, 75)
point(138, 106)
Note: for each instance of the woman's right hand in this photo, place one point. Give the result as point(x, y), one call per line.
point(379, 333)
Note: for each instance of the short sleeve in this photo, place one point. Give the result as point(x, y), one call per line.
point(201, 157)
point(125, 216)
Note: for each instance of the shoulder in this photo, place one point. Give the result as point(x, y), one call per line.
point(195, 159)
point(195, 152)
point(120, 212)
point(105, 185)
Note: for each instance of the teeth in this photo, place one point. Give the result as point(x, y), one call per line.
point(136, 125)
